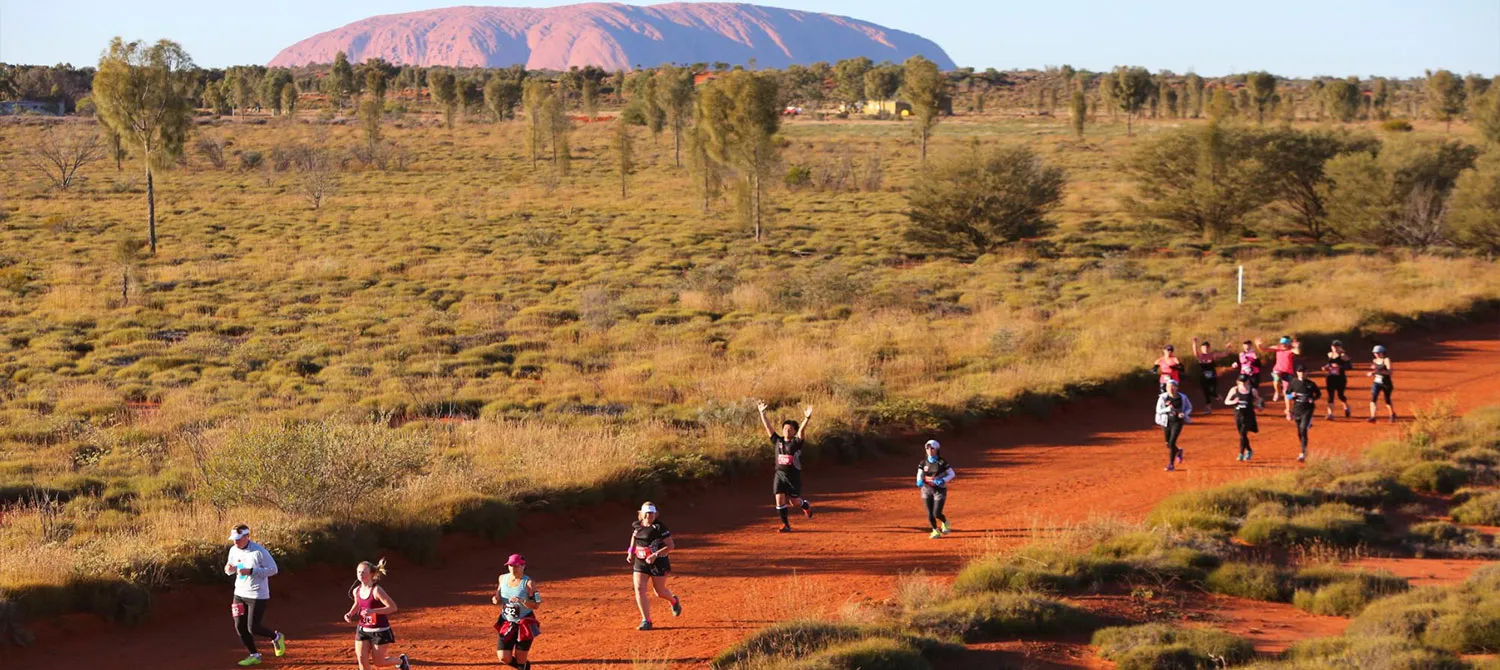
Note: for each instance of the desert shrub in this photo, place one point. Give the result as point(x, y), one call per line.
point(975, 203)
point(1434, 477)
point(1396, 126)
point(1256, 581)
point(250, 160)
point(809, 638)
point(1368, 489)
point(1220, 509)
point(1037, 567)
point(1346, 595)
point(1333, 523)
point(797, 176)
point(1470, 629)
point(999, 614)
point(313, 468)
point(1154, 646)
point(872, 653)
point(1372, 653)
point(1444, 534)
point(1482, 510)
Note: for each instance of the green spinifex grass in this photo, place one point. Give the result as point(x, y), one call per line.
point(587, 338)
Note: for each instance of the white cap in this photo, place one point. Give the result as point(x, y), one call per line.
point(648, 508)
point(238, 533)
point(932, 444)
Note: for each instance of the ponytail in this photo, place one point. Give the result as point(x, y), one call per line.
point(377, 569)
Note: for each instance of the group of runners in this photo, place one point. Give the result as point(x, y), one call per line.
point(1290, 385)
point(651, 543)
point(516, 595)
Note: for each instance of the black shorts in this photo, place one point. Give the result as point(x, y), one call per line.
point(378, 638)
point(1377, 389)
point(1245, 421)
point(1336, 383)
point(660, 568)
point(511, 640)
point(788, 482)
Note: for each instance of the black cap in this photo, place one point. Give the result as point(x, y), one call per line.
point(1245, 378)
point(1167, 348)
point(1338, 343)
point(1300, 368)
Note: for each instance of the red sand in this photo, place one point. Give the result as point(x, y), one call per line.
point(734, 573)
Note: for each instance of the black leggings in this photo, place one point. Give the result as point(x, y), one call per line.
point(1339, 391)
point(1171, 431)
point(934, 504)
point(1304, 418)
point(1210, 391)
point(248, 624)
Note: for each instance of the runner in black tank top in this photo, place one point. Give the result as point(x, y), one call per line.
point(787, 486)
point(1244, 398)
point(1336, 377)
point(1381, 371)
point(1304, 394)
point(650, 542)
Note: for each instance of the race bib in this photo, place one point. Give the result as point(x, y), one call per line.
point(1335, 370)
point(1380, 380)
point(642, 552)
point(367, 619)
point(783, 459)
point(511, 612)
point(237, 609)
point(1208, 373)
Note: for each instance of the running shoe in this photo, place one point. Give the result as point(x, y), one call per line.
point(1346, 412)
point(1330, 416)
point(1370, 420)
point(944, 527)
point(807, 509)
point(645, 625)
point(935, 534)
point(1301, 458)
point(253, 659)
point(676, 606)
point(1240, 457)
point(1171, 469)
point(1393, 418)
point(1180, 454)
point(279, 644)
point(405, 663)
point(1249, 453)
point(784, 529)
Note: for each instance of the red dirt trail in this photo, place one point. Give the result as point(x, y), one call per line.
point(1099, 457)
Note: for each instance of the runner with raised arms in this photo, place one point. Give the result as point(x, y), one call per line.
point(787, 486)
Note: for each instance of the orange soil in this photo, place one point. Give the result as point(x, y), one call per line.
point(735, 574)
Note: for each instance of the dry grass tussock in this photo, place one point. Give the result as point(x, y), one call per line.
point(536, 336)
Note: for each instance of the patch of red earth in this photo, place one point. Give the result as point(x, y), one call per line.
point(1271, 627)
point(1027, 654)
point(1425, 571)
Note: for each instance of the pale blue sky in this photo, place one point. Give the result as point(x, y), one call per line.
point(1289, 37)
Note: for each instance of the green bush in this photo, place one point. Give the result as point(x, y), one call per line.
point(1157, 646)
point(1396, 126)
point(1336, 524)
point(1479, 511)
point(789, 638)
point(873, 653)
point(1473, 628)
point(1434, 477)
point(317, 469)
point(1368, 489)
point(1256, 581)
point(989, 615)
point(1444, 534)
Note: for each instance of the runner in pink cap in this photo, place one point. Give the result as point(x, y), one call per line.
point(517, 625)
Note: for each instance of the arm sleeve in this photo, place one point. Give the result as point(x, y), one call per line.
point(919, 476)
point(949, 475)
point(1187, 405)
point(269, 569)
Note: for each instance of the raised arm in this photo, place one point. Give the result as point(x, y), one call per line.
point(806, 417)
point(762, 408)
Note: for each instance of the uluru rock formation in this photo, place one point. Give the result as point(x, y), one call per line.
point(611, 36)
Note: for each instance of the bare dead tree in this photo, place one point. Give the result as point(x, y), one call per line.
point(316, 173)
point(1423, 219)
point(61, 151)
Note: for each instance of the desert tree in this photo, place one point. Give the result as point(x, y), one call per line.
point(271, 86)
point(1445, 97)
point(741, 120)
point(1341, 99)
point(675, 98)
point(289, 96)
point(588, 98)
point(1475, 213)
point(316, 172)
point(115, 145)
point(242, 92)
point(1065, 74)
point(1475, 86)
point(926, 90)
point(444, 89)
point(1380, 98)
point(501, 94)
point(375, 84)
point(1292, 162)
point(1397, 196)
point(341, 76)
point(61, 150)
point(1486, 115)
point(1130, 89)
point(534, 95)
point(882, 82)
point(1194, 93)
point(1203, 180)
point(1220, 104)
point(1079, 110)
point(370, 117)
point(141, 94)
point(559, 126)
point(708, 174)
point(1261, 88)
point(974, 203)
point(849, 75)
point(624, 154)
